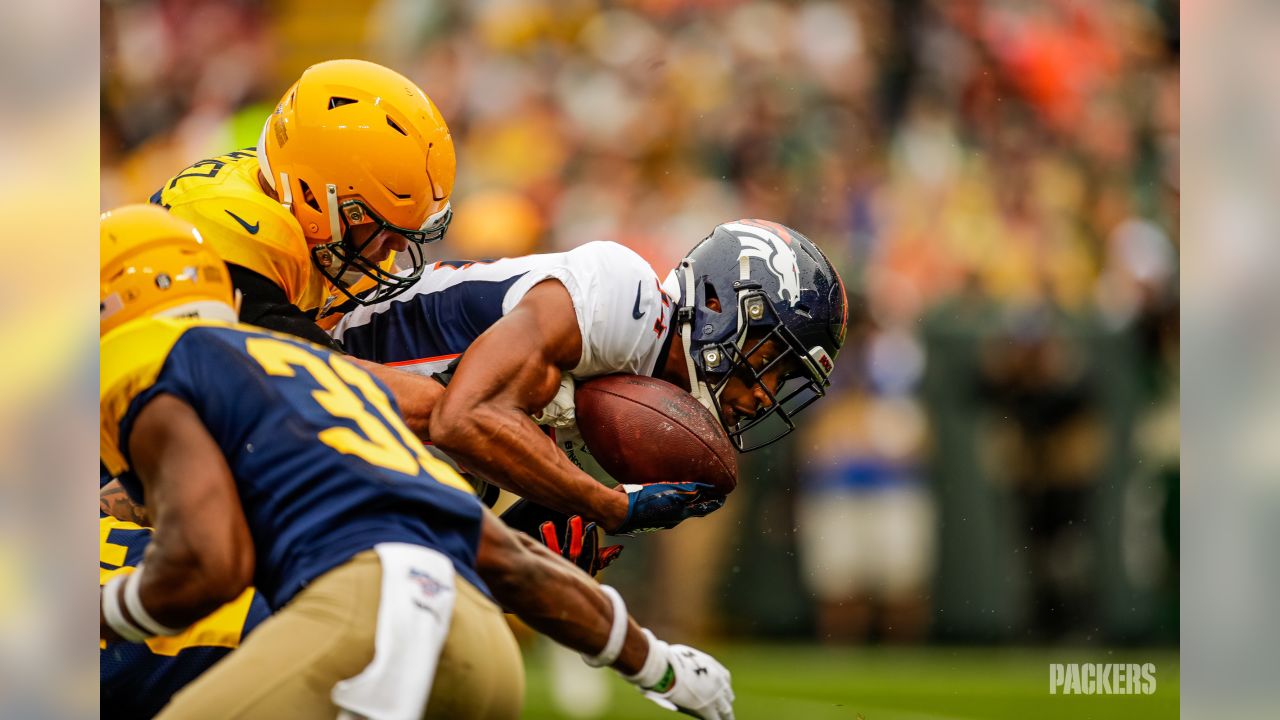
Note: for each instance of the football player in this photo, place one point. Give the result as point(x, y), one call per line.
point(137, 679)
point(264, 458)
point(355, 164)
point(750, 322)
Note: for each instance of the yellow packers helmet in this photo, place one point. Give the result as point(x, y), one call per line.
point(353, 143)
point(155, 264)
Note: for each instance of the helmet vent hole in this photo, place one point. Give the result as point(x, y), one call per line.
point(337, 102)
point(397, 127)
point(309, 197)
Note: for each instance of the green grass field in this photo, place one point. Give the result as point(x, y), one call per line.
point(813, 683)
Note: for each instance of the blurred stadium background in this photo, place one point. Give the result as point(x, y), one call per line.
point(994, 477)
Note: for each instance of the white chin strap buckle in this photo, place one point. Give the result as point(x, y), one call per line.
point(335, 223)
point(697, 388)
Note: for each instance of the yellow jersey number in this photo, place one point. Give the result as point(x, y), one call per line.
point(383, 438)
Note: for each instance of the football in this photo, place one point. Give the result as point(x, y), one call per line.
point(642, 430)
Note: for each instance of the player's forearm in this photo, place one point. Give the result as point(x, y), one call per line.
point(568, 607)
point(201, 554)
point(510, 451)
point(183, 582)
point(177, 585)
point(417, 395)
point(175, 600)
point(552, 595)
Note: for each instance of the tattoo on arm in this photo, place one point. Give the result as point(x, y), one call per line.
point(115, 502)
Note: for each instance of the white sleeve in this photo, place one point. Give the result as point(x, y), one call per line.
point(616, 298)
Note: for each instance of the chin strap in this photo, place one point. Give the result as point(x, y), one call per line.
point(744, 275)
point(351, 275)
point(286, 192)
point(263, 163)
point(335, 222)
point(697, 388)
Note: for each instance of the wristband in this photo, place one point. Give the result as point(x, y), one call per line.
point(617, 634)
point(115, 616)
point(655, 666)
point(133, 601)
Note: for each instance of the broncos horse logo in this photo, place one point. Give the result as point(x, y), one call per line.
point(772, 244)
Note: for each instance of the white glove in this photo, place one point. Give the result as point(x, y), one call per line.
point(686, 680)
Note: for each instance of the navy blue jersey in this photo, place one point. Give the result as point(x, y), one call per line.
point(324, 465)
point(137, 679)
point(434, 325)
point(622, 309)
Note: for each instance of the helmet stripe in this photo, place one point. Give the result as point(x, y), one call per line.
point(782, 231)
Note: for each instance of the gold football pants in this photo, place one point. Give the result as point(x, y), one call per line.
point(288, 666)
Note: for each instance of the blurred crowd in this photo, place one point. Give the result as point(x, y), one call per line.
point(996, 180)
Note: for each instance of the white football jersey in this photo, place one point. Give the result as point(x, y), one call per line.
point(622, 309)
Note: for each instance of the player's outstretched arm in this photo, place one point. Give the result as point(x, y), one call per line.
point(508, 374)
point(201, 555)
point(551, 594)
point(561, 601)
point(416, 395)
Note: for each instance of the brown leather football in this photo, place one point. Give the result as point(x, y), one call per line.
point(643, 430)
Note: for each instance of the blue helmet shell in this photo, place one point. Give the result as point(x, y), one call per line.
point(768, 282)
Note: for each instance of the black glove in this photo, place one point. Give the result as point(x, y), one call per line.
point(565, 535)
point(581, 545)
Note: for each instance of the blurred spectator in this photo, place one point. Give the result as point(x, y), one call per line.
point(865, 518)
point(1048, 447)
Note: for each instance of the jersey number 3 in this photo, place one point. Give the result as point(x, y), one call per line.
point(383, 440)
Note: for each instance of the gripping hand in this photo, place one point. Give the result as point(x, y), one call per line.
point(566, 535)
point(661, 506)
point(581, 544)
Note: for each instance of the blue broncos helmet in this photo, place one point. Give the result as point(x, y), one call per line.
point(771, 283)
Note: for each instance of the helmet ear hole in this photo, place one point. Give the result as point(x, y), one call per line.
point(712, 300)
point(307, 196)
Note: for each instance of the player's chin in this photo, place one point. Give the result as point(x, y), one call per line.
point(735, 416)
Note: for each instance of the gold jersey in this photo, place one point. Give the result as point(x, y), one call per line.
point(244, 225)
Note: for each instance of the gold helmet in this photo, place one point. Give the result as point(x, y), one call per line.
point(353, 143)
point(155, 264)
